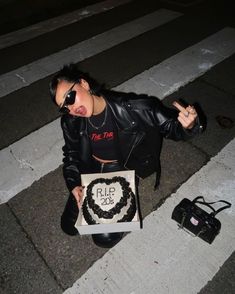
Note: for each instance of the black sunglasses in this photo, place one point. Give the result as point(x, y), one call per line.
point(69, 99)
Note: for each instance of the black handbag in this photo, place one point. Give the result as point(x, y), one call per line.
point(194, 219)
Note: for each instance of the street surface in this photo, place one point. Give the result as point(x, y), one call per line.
point(172, 50)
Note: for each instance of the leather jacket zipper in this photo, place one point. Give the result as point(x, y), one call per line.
point(130, 154)
point(101, 167)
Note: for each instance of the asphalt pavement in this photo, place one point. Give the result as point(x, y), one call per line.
point(36, 257)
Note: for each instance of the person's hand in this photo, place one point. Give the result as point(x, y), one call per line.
point(78, 194)
point(187, 116)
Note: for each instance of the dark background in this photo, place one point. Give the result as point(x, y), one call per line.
point(15, 14)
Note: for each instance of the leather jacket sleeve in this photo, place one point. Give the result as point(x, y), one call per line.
point(171, 128)
point(154, 113)
point(71, 157)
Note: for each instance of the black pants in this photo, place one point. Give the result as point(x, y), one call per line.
point(70, 214)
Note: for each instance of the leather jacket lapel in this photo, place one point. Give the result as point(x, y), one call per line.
point(84, 141)
point(128, 131)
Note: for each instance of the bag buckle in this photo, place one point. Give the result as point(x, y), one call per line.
point(203, 230)
point(182, 221)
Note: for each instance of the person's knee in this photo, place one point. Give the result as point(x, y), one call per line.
point(107, 240)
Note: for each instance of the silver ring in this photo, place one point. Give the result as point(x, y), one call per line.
point(186, 114)
point(192, 109)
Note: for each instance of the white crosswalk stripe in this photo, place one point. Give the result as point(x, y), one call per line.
point(43, 27)
point(175, 72)
point(42, 68)
point(145, 261)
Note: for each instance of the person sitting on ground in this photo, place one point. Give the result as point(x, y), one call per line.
point(135, 124)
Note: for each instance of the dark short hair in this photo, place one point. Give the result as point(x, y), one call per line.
point(72, 74)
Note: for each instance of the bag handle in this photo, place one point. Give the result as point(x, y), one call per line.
point(228, 204)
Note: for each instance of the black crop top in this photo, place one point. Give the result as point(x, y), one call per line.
point(101, 133)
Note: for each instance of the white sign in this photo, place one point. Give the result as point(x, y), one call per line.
point(109, 204)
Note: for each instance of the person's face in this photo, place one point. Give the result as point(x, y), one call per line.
point(83, 104)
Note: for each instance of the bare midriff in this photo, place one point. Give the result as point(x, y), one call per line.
point(103, 160)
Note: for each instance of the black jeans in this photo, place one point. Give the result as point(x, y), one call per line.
point(70, 214)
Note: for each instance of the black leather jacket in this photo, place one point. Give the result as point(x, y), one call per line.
point(141, 122)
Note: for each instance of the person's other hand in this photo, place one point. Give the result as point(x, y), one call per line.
point(187, 116)
point(78, 194)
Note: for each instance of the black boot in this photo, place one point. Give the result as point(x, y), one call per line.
point(69, 216)
point(107, 240)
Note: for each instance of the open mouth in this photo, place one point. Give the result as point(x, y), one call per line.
point(81, 111)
